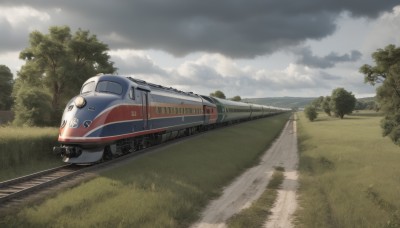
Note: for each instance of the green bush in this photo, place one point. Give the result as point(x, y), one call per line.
point(311, 113)
point(32, 107)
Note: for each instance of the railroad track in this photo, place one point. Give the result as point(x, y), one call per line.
point(25, 185)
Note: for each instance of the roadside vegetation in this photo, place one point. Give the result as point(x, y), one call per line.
point(256, 215)
point(164, 189)
point(339, 104)
point(26, 150)
point(6, 86)
point(386, 74)
point(311, 112)
point(349, 173)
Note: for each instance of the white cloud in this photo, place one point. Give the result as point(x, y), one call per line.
point(135, 62)
point(210, 72)
point(11, 60)
point(18, 16)
point(384, 31)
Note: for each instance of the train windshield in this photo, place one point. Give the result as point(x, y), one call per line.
point(87, 88)
point(109, 87)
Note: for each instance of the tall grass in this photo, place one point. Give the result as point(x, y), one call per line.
point(164, 189)
point(349, 173)
point(25, 150)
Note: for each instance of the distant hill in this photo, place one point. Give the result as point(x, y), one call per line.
point(367, 99)
point(293, 102)
point(282, 102)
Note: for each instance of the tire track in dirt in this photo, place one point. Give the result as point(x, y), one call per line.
point(251, 184)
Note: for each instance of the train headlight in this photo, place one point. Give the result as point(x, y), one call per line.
point(80, 102)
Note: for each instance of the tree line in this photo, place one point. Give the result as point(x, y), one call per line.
point(340, 103)
point(220, 94)
point(385, 74)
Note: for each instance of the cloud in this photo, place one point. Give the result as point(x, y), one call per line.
point(239, 28)
point(16, 22)
point(135, 62)
point(384, 31)
point(307, 58)
point(210, 72)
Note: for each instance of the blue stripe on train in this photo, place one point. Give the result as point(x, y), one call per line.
point(175, 121)
point(137, 126)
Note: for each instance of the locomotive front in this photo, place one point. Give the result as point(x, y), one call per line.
point(87, 126)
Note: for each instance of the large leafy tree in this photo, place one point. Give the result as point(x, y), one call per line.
point(384, 59)
point(59, 62)
point(6, 85)
point(218, 94)
point(342, 102)
point(386, 72)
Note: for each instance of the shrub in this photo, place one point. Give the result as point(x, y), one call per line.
point(311, 112)
point(32, 107)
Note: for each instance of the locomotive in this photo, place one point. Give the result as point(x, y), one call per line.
point(115, 115)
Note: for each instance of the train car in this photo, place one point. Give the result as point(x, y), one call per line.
point(271, 110)
point(174, 111)
point(257, 111)
point(104, 112)
point(114, 115)
point(231, 111)
point(210, 112)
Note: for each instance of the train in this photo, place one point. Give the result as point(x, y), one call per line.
point(115, 115)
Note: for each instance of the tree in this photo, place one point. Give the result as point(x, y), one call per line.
point(387, 73)
point(218, 94)
point(311, 112)
point(342, 102)
point(326, 106)
point(317, 103)
point(236, 98)
point(6, 85)
point(384, 59)
point(31, 107)
point(60, 62)
point(360, 105)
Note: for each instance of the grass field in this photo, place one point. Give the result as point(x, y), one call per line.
point(26, 150)
point(349, 173)
point(164, 189)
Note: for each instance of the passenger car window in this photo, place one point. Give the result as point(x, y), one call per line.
point(87, 88)
point(109, 87)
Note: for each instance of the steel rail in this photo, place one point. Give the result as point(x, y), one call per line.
point(20, 186)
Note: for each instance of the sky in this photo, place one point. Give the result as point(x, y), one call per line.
point(250, 48)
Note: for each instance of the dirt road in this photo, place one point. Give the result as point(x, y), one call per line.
point(251, 184)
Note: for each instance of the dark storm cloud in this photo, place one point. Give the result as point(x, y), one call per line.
point(12, 39)
point(307, 58)
point(236, 28)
